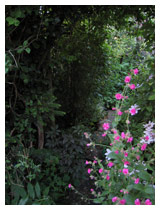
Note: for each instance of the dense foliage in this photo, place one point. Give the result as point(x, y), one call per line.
point(64, 65)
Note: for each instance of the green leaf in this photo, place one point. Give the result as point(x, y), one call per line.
point(38, 190)
point(149, 190)
point(25, 43)
point(23, 201)
point(19, 51)
point(30, 190)
point(151, 97)
point(12, 21)
point(46, 191)
point(144, 175)
point(28, 50)
point(138, 187)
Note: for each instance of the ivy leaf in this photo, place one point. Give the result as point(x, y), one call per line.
point(28, 50)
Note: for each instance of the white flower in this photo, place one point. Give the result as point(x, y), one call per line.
point(107, 153)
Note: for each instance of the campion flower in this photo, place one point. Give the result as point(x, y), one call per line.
point(106, 126)
point(110, 164)
point(118, 96)
point(126, 154)
point(136, 181)
point(127, 79)
point(130, 139)
point(89, 171)
point(114, 199)
point(119, 113)
point(117, 138)
point(137, 202)
point(123, 135)
point(135, 71)
point(125, 171)
point(134, 109)
point(132, 86)
point(148, 202)
point(116, 152)
point(87, 162)
point(122, 202)
point(143, 147)
point(69, 186)
point(100, 170)
point(108, 177)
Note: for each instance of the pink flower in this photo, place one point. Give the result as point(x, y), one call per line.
point(110, 164)
point(130, 139)
point(118, 96)
point(114, 199)
point(143, 147)
point(126, 154)
point(137, 202)
point(116, 152)
point(127, 79)
point(120, 113)
point(126, 162)
point(95, 161)
point(125, 171)
point(106, 126)
point(136, 181)
point(121, 190)
point(148, 202)
point(69, 185)
point(122, 202)
point(108, 177)
point(89, 171)
point(110, 144)
point(117, 138)
point(92, 190)
point(132, 87)
point(123, 135)
point(113, 108)
point(147, 138)
point(87, 162)
point(132, 148)
point(114, 131)
point(104, 134)
point(100, 170)
point(133, 111)
point(137, 157)
point(86, 135)
point(135, 71)
point(88, 145)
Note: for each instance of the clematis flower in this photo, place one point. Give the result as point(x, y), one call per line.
point(118, 96)
point(137, 202)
